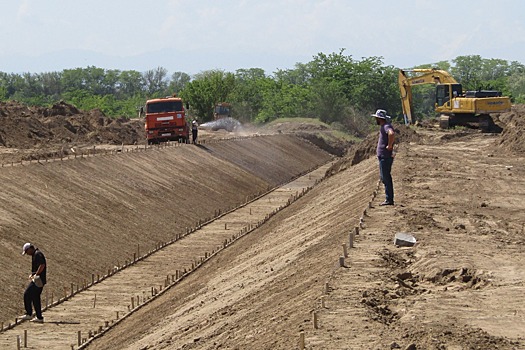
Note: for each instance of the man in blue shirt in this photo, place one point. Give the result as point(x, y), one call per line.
point(385, 147)
point(35, 287)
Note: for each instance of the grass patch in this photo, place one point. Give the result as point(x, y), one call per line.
point(329, 133)
point(298, 120)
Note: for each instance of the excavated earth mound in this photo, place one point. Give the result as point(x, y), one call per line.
point(512, 136)
point(24, 127)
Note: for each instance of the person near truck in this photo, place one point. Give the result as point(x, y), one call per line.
point(194, 130)
point(385, 155)
point(35, 287)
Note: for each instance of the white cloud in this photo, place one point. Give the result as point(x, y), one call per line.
point(24, 10)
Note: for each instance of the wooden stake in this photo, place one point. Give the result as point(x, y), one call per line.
point(342, 261)
point(25, 338)
point(326, 288)
point(18, 342)
point(323, 302)
point(95, 301)
point(351, 239)
point(314, 317)
point(301, 340)
point(345, 251)
point(79, 338)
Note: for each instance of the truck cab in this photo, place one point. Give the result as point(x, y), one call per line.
point(222, 110)
point(166, 120)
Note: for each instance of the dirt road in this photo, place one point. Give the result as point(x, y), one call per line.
point(460, 287)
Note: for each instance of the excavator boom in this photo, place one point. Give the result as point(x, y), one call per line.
point(425, 76)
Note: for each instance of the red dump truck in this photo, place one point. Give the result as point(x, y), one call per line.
point(166, 120)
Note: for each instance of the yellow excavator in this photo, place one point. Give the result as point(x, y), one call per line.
point(455, 106)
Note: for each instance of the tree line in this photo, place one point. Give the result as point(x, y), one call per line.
point(335, 87)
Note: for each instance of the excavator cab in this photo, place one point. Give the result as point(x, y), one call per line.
point(446, 92)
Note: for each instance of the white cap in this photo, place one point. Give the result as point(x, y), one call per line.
point(25, 248)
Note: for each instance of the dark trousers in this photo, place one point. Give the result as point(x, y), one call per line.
point(194, 135)
point(385, 171)
point(32, 299)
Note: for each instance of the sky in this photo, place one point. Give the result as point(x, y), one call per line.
point(192, 36)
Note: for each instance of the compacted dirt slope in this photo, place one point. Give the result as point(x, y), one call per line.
point(461, 287)
point(459, 193)
point(91, 214)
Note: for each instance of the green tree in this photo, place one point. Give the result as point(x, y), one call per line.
point(155, 81)
point(51, 85)
point(328, 101)
point(516, 84)
point(366, 84)
point(247, 96)
point(283, 100)
point(207, 89)
point(467, 70)
point(131, 83)
point(178, 82)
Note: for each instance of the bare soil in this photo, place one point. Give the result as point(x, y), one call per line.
point(89, 214)
point(460, 287)
point(460, 193)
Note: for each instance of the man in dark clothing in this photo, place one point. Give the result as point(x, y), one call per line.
point(194, 131)
point(385, 147)
point(35, 287)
